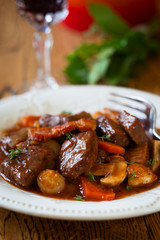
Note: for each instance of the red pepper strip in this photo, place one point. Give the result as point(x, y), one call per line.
point(45, 134)
point(29, 121)
point(40, 134)
point(111, 147)
point(93, 191)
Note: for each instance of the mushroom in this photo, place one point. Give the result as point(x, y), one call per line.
point(155, 163)
point(139, 175)
point(114, 172)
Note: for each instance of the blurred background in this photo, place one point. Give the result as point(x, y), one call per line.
point(17, 56)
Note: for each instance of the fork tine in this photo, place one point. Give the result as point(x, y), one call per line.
point(127, 105)
point(138, 99)
point(149, 111)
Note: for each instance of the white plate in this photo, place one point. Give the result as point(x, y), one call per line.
point(74, 99)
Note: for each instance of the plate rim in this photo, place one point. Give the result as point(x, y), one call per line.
point(39, 211)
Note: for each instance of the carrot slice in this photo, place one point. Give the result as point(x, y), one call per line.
point(111, 147)
point(29, 121)
point(93, 191)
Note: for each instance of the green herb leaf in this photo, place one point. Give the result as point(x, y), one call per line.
point(98, 71)
point(128, 187)
point(132, 177)
point(129, 163)
point(151, 161)
point(91, 177)
point(69, 135)
point(108, 20)
point(78, 198)
point(100, 66)
point(66, 112)
point(106, 137)
point(77, 70)
point(14, 152)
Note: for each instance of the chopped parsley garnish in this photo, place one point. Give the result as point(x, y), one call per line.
point(69, 135)
point(66, 112)
point(91, 177)
point(151, 161)
point(129, 163)
point(78, 198)
point(106, 137)
point(132, 177)
point(14, 152)
point(29, 170)
point(128, 187)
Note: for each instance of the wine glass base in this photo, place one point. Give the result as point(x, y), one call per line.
point(46, 82)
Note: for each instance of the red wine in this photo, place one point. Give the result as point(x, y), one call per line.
point(42, 13)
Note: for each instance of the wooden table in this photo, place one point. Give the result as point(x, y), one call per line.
point(17, 66)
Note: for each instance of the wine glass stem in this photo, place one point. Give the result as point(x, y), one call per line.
point(42, 43)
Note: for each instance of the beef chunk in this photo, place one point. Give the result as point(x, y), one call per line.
point(108, 127)
point(138, 153)
point(78, 154)
point(102, 156)
point(12, 140)
point(48, 120)
point(133, 127)
point(24, 168)
point(111, 114)
point(8, 142)
point(80, 115)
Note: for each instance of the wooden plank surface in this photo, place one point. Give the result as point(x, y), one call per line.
point(18, 67)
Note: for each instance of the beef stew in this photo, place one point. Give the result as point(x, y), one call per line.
point(80, 157)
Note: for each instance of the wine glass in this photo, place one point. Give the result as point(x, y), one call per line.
point(42, 14)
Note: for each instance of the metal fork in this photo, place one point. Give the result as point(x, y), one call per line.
point(145, 107)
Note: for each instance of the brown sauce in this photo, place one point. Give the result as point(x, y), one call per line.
point(73, 187)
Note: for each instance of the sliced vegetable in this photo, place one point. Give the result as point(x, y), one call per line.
point(93, 191)
point(111, 147)
point(29, 121)
point(114, 172)
point(45, 134)
point(117, 172)
point(155, 161)
point(108, 113)
point(139, 175)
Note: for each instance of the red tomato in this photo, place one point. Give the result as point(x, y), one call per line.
point(78, 18)
point(133, 11)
